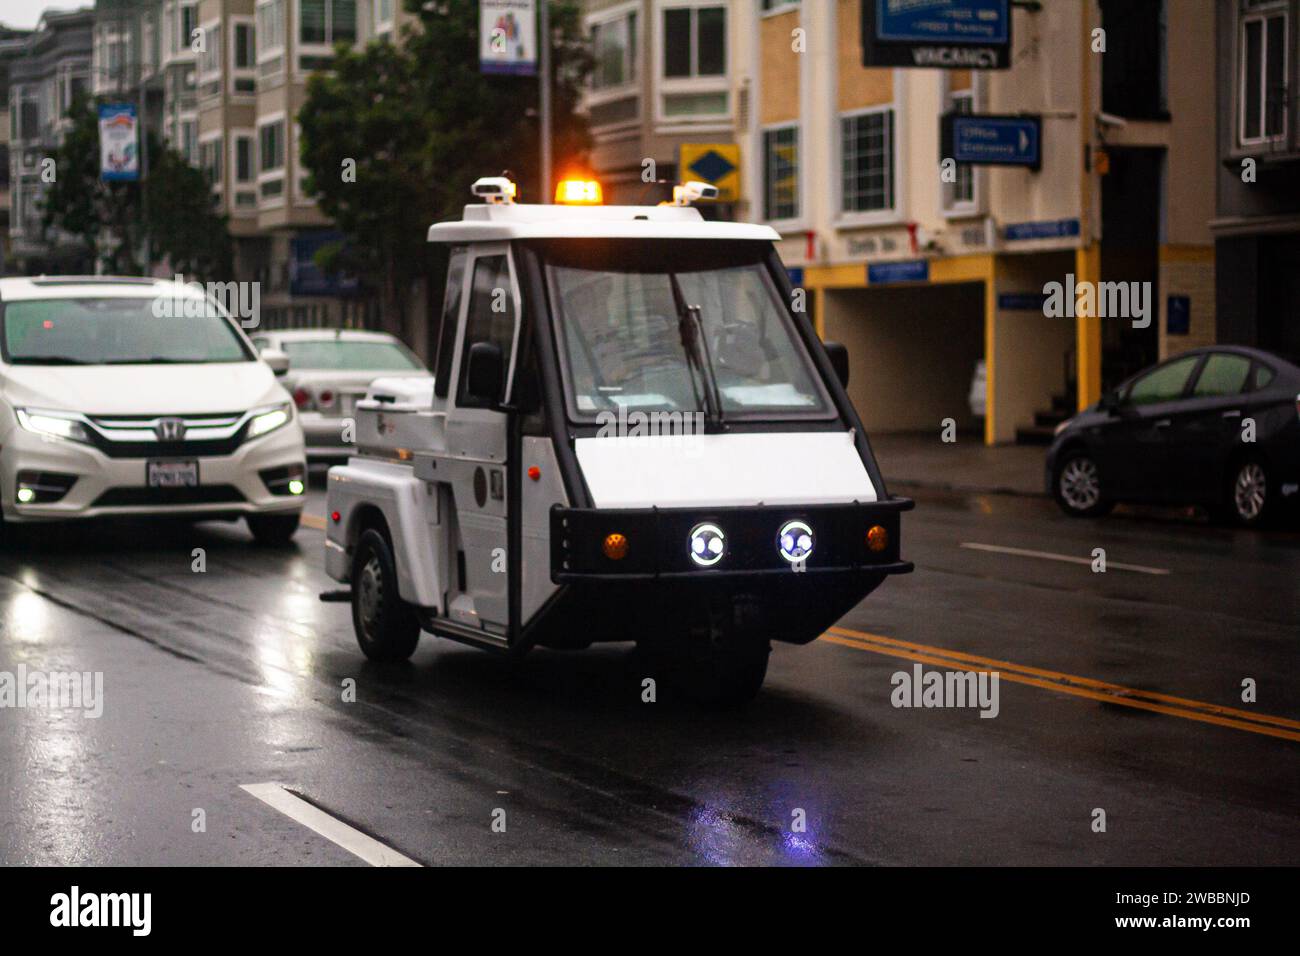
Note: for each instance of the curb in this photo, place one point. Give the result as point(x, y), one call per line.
point(964, 489)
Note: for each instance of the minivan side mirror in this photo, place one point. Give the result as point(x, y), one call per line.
point(485, 373)
point(839, 356)
point(278, 361)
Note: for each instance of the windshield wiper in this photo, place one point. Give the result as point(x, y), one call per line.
point(155, 360)
point(46, 360)
point(691, 329)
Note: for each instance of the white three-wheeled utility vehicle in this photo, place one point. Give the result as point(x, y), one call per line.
point(634, 433)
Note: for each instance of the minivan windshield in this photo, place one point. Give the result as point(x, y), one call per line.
point(113, 330)
point(653, 325)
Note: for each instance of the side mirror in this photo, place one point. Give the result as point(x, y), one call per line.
point(1110, 401)
point(278, 361)
point(839, 357)
point(485, 373)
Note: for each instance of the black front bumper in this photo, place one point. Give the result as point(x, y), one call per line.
point(657, 542)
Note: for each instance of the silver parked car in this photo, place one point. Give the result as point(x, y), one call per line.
point(329, 370)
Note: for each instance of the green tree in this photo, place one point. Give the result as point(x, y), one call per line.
point(394, 135)
point(111, 220)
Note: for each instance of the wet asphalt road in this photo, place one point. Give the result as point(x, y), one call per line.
point(235, 676)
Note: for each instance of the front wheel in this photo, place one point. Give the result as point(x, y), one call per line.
point(387, 628)
point(274, 531)
point(724, 672)
point(1077, 487)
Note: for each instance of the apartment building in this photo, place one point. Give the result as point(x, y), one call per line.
point(1257, 223)
point(666, 75)
point(221, 81)
point(46, 74)
point(12, 44)
point(924, 275)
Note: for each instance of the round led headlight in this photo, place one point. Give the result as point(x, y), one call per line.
point(707, 544)
point(795, 541)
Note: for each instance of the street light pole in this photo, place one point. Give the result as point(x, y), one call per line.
point(545, 50)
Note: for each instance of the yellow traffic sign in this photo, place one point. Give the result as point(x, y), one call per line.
point(715, 163)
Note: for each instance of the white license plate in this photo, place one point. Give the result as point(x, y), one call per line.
point(172, 474)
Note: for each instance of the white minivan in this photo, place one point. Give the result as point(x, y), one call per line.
point(123, 396)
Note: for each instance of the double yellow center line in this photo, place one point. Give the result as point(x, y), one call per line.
point(1235, 718)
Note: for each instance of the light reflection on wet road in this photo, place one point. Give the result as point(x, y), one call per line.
point(236, 676)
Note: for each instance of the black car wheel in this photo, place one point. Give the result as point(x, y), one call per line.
point(1249, 493)
point(387, 628)
point(1077, 487)
point(274, 531)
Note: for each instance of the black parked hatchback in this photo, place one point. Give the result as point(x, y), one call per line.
point(1216, 426)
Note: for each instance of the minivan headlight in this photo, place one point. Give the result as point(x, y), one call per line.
point(268, 420)
point(52, 424)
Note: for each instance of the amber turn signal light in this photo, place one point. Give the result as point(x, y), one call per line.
point(615, 547)
point(877, 538)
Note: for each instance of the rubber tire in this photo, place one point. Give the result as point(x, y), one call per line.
point(395, 632)
point(725, 673)
point(1101, 508)
point(274, 531)
point(1227, 509)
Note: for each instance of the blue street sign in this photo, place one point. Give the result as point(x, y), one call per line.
point(963, 21)
point(1021, 301)
point(910, 270)
point(937, 34)
point(1048, 229)
point(970, 138)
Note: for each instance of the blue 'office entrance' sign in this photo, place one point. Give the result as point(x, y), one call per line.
point(970, 138)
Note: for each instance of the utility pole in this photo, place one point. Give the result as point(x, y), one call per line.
point(545, 52)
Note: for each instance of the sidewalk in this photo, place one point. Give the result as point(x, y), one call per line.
point(924, 461)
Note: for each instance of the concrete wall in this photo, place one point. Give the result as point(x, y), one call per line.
point(1189, 271)
point(1029, 349)
point(912, 352)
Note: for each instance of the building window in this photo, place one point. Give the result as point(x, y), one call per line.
point(243, 59)
point(781, 173)
point(188, 23)
point(270, 147)
point(326, 22)
point(1263, 77)
point(245, 52)
point(190, 140)
point(210, 161)
point(244, 172)
point(695, 42)
point(210, 57)
point(613, 44)
point(867, 161)
point(382, 14)
point(961, 191)
point(774, 6)
point(270, 25)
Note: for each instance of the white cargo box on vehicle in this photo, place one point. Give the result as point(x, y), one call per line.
point(397, 413)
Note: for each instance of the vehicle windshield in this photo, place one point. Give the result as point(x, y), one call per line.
point(344, 355)
point(626, 343)
point(114, 331)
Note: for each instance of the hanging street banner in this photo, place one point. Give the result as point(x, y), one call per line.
point(508, 37)
point(986, 140)
point(937, 34)
point(119, 149)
